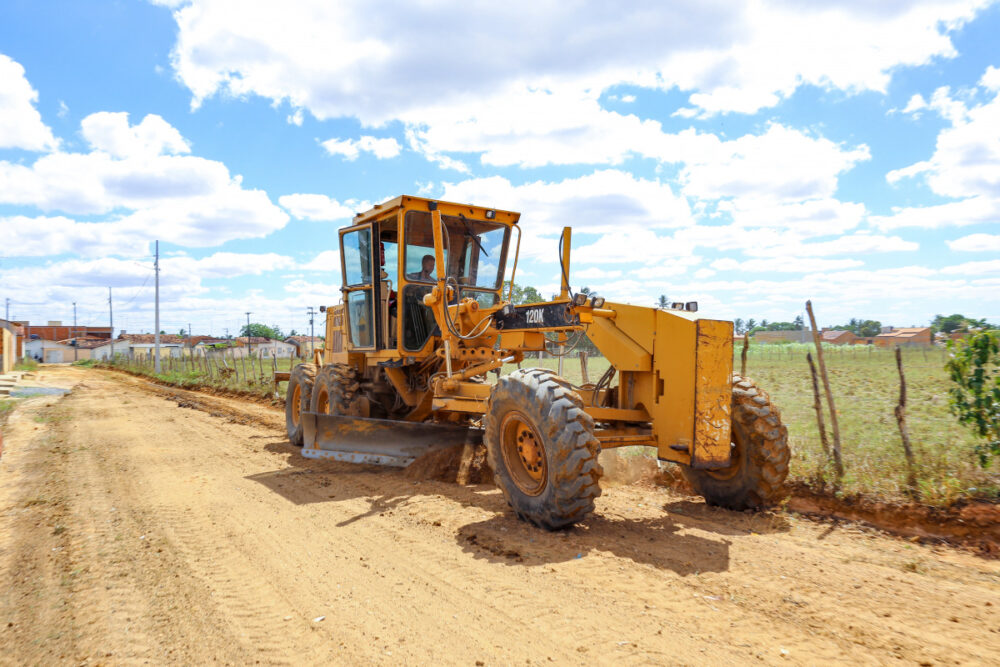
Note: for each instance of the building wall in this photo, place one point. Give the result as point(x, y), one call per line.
point(63, 332)
point(8, 351)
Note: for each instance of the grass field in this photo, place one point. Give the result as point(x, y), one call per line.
point(865, 385)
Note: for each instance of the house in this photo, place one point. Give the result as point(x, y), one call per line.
point(56, 330)
point(799, 336)
point(267, 346)
point(50, 351)
point(908, 337)
point(143, 344)
point(11, 336)
point(304, 345)
point(838, 337)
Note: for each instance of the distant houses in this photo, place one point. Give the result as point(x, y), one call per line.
point(906, 337)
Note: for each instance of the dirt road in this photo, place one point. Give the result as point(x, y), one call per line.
point(143, 524)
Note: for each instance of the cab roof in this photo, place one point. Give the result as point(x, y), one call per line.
point(411, 203)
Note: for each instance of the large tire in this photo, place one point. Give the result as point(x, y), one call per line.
point(541, 446)
point(298, 399)
point(760, 455)
point(337, 392)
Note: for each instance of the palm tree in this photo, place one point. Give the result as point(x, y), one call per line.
point(663, 302)
point(738, 325)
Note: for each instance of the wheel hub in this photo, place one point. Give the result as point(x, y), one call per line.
point(524, 454)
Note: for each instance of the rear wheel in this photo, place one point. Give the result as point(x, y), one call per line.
point(298, 397)
point(760, 454)
point(541, 446)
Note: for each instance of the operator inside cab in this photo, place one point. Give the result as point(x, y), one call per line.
point(426, 272)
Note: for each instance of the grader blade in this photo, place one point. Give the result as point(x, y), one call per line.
point(377, 441)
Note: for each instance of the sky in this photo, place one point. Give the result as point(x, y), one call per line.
point(745, 155)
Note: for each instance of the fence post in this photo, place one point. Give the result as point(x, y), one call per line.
point(818, 406)
point(838, 461)
point(584, 378)
point(743, 355)
point(911, 474)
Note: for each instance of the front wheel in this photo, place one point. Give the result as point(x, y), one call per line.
point(759, 465)
point(540, 443)
point(298, 396)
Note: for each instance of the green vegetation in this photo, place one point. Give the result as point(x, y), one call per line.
point(6, 407)
point(26, 365)
point(262, 331)
point(957, 322)
point(974, 367)
point(522, 293)
point(222, 372)
point(86, 363)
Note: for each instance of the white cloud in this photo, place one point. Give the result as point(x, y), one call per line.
point(785, 265)
point(605, 200)
point(976, 243)
point(352, 148)
point(328, 260)
point(320, 207)
point(21, 125)
point(344, 59)
point(43, 236)
point(965, 165)
point(227, 265)
point(135, 178)
point(916, 104)
point(111, 133)
point(973, 269)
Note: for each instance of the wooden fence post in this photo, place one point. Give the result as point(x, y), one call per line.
point(584, 379)
point(743, 354)
point(911, 473)
point(818, 406)
point(838, 461)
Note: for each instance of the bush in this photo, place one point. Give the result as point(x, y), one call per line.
point(974, 367)
point(26, 364)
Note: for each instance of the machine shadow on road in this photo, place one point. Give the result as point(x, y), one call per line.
point(666, 542)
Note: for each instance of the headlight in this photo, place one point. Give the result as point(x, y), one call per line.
point(579, 299)
point(677, 305)
point(691, 306)
point(597, 301)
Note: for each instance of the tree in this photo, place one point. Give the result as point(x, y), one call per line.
point(586, 290)
point(525, 294)
point(261, 331)
point(181, 333)
point(663, 302)
point(869, 328)
point(738, 325)
point(956, 322)
point(799, 323)
point(751, 325)
point(293, 332)
point(974, 367)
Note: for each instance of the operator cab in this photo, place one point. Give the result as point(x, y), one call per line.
point(389, 265)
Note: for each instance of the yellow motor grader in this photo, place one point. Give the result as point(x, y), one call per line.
point(424, 317)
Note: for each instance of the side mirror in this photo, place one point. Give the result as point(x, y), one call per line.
point(322, 309)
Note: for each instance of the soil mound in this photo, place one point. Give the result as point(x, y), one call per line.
point(442, 465)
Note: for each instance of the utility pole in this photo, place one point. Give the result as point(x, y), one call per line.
point(226, 329)
point(7, 313)
point(248, 331)
point(190, 346)
point(76, 346)
point(312, 330)
point(156, 335)
point(111, 322)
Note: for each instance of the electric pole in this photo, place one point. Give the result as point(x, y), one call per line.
point(248, 331)
point(7, 313)
point(76, 347)
point(312, 330)
point(190, 346)
point(156, 337)
point(111, 322)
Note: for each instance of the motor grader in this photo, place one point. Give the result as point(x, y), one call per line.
point(425, 317)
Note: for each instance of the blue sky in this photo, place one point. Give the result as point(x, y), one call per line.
point(746, 155)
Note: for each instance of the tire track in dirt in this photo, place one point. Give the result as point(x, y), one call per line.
point(244, 532)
